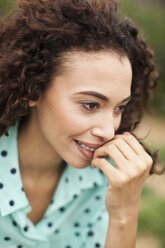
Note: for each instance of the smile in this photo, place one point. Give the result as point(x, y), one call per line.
point(85, 147)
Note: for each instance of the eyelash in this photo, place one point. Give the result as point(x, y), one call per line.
point(95, 104)
point(96, 107)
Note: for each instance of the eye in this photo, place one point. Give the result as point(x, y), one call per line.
point(120, 109)
point(91, 106)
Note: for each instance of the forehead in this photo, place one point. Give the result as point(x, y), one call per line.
point(96, 64)
point(104, 72)
point(96, 67)
point(73, 60)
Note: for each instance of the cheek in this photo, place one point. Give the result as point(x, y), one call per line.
point(74, 123)
point(66, 120)
point(61, 117)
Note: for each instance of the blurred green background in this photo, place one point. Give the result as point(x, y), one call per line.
point(149, 15)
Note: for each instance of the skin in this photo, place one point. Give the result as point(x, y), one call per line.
point(61, 104)
point(63, 114)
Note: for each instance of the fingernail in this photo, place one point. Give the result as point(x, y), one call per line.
point(92, 166)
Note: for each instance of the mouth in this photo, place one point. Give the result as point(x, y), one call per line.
point(86, 150)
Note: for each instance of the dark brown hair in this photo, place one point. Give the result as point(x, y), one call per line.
point(36, 35)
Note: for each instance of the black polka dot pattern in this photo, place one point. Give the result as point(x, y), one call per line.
point(26, 228)
point(7, 238)
point(56, 231)
point(99, 218)
point(77, 234)
point(95, 184)
point(1, 185)
point(86, 210)
point(4, 153)
point(14, 223)
point(50, 224)
point(80, 178)
point(97, 245)
point(76, 224)
point(97, 197)
point(13, 171)
point(62, 209)
point(66, 179)
point(11, 203)
point(75, 196)
point(90, 233)
point(89, 224)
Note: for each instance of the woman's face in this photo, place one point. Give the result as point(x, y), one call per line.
point(83, 107)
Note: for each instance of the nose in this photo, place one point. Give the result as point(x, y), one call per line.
point(104, 129)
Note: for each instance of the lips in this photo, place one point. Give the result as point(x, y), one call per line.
point(87, 149)
point(93, 146)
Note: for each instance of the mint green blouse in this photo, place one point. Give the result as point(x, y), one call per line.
point(76, 217)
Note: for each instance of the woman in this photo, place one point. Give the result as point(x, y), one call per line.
point(74, 81)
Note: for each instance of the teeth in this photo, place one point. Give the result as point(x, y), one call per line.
point(86, 147)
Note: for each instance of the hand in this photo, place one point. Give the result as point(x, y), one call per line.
point(126, 180)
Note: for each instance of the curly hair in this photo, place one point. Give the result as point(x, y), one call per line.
point(35, 37)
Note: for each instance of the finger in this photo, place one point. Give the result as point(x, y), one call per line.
point(113, 152)
point(141, 152)
point(109, 171)
point(138, 149)
point(133, 143)
point(125, 149)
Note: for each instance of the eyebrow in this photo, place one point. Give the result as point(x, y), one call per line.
point(100, 96)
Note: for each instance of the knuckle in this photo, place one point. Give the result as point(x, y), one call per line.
point(118, 141)
point(132, 174)
point(95, 154)
point(98, 152)
point(110, 147)
point(141, 162)
point(93, 162)
point(131, 138)
point(142, 167)
point(149, 160)
point(145, 164)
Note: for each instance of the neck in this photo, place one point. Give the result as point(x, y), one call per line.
point(36, 156)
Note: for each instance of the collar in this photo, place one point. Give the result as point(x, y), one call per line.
point(72, 183)
point(12, 196)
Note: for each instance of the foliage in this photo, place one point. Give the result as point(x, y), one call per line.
point(152, 215)
point(5, 6)
point(161, 153)
point(152, 210)
point(149, 15)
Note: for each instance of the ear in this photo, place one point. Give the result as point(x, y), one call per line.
point(32, 104)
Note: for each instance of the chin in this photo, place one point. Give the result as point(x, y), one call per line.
point(79, 164)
